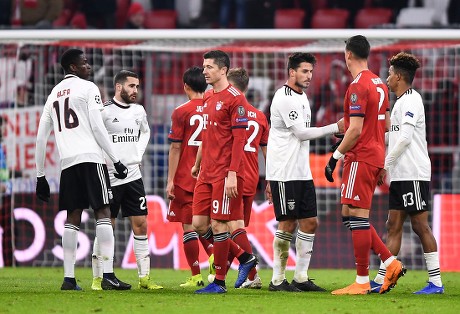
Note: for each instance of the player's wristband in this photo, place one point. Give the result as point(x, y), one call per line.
point(337, 155)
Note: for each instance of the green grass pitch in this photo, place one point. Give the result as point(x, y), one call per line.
point(36, 290)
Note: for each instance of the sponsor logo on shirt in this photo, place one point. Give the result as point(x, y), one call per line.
point(293, 115)
point(219, 105)
point(355, 107)
point(353, 98)
point(241, 111)
point(241, 120)
point(410, 114)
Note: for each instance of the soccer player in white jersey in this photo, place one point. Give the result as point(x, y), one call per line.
point(129, 132)
point(409, 168)
point(72, 110)
point(288, 169)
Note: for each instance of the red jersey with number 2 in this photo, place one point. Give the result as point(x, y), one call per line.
point(367, 97)
point(187, 122)
point(257, 133)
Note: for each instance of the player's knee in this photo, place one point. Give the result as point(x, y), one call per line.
point(393, 227)
point(420, 228)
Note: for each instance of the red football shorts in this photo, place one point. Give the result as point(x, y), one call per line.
point(180, 208)
point(359, 180)
point(247, 208)
point(210, 200)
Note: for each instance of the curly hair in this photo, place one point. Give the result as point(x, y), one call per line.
point(405, 64)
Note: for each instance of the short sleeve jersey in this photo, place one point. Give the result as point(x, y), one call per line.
point(187, 122)
point(224, 111)
point(257, 134)
point(124, 124)
point(68, 108)
point(367, 97)
point(288, 158)
point(414, 163)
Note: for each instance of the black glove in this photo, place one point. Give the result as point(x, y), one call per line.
point(329, 170)
point(334, 146)
point(43, 189)
point(122, 171)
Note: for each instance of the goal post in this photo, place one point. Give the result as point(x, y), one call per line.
point(29, 69)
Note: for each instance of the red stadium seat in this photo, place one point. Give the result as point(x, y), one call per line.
point(161, 19)
point(330, 18)
point(318, 4)
point(369, 17)
point(63, 18)
point(121, 15)
point(289, 18)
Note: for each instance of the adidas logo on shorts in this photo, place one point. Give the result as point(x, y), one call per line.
point(356, 198)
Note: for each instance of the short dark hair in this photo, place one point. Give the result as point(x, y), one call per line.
point(122, 76)
point(359, 46)
point(220, 57)
point(194, 78)
point(239, 78)
point(405, 64)
point(69, 57)
point(297, 58)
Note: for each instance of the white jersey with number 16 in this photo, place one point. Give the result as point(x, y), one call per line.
point(68, 108)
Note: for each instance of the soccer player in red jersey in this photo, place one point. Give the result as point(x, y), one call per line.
point(219, 189)
point(187, 122)
point(257, 136)
point(366, 115)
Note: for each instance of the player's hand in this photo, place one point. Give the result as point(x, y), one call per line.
point(330, 167)
point(195, 171)
point(122, 171)
point(170, 191)
point(268, 193)
point(341, 125)
point(231, 185)
point(381, 177)
point(43, 189)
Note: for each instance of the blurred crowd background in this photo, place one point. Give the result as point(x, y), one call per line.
point(234, 14)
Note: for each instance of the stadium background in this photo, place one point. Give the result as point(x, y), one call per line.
point(29, 68)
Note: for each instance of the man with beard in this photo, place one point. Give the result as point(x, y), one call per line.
point(126, 123)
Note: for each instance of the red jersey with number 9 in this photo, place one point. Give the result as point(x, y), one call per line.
point(187, 122)
point(367, 97)
point(225, 113)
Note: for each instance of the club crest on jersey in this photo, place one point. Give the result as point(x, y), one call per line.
point(97, 98)
point(293, 115)
point(219, 105)
point(241, 111)
point(353, 98)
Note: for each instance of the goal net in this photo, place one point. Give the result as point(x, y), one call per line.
point(29, 69)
